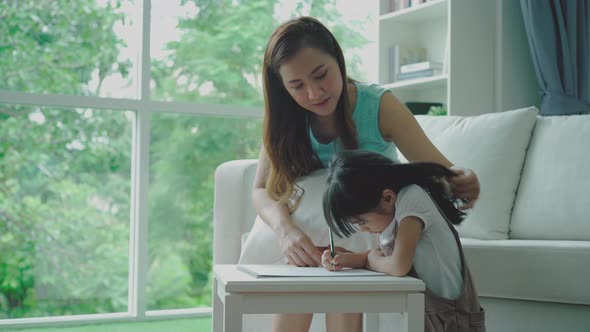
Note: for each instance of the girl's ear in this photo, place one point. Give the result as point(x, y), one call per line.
point(388, 198)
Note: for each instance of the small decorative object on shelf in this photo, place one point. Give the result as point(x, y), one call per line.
point(437, 110)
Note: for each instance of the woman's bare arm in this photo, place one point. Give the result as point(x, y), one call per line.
point(398, 125)
point(296, 245)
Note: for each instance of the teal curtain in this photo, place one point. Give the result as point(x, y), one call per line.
point(558, 35)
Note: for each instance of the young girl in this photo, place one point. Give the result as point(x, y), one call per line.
point(312, 109)
point(412, 209)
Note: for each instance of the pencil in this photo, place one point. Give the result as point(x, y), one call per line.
point(332, 250)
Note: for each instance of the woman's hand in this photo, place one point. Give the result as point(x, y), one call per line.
point(298, 248)
point(343, 258)
point(465, 185)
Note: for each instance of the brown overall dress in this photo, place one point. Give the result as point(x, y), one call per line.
point(463, 314)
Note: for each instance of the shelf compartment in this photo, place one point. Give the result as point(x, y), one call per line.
point(420, 13)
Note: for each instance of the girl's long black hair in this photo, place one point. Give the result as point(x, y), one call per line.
point(356, 181)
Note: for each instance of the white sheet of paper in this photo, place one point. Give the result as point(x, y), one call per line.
point(296, 271)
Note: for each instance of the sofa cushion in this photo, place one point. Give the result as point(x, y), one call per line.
point(553, 200)
point(494, 146)
point(553, 271)
point(260, 246)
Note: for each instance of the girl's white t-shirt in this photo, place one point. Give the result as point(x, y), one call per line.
point(437, 260)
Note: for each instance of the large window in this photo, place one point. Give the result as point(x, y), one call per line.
point(64, 206)
point(114, 115)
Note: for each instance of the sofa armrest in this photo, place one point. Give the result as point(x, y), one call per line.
point(233, 212)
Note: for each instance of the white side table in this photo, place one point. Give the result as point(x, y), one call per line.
point(236, 293)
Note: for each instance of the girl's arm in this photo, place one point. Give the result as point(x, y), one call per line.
point(344, 258)
point(398, 125)
point(400, 261)
point(296, 245)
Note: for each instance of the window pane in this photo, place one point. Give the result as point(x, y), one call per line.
point(184, 153)
point(211, 51)
point(76, 47)
point(64, 211)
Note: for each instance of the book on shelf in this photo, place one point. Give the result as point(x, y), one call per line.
point(418, 74)
point(395, 5)
point(393, 58)
point(400, 55)
point(445, 67)
point(412, 67)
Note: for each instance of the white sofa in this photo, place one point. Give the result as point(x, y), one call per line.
point(528, 238)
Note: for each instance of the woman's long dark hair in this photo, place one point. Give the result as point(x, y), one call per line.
point(356, 181)
point(286, 124)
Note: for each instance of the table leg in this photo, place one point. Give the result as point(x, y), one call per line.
point(414, 316)
point(232, 313)
point(371, 322)
point(217, 308)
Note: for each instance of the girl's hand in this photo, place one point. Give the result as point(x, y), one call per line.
point(343, 258)
point(327, 261)
point(298, 248)
point(465, 185)
point(374, 255)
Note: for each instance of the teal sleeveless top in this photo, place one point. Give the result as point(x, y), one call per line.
point(366, 119)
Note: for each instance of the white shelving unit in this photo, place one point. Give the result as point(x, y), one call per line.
point(479, 42)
